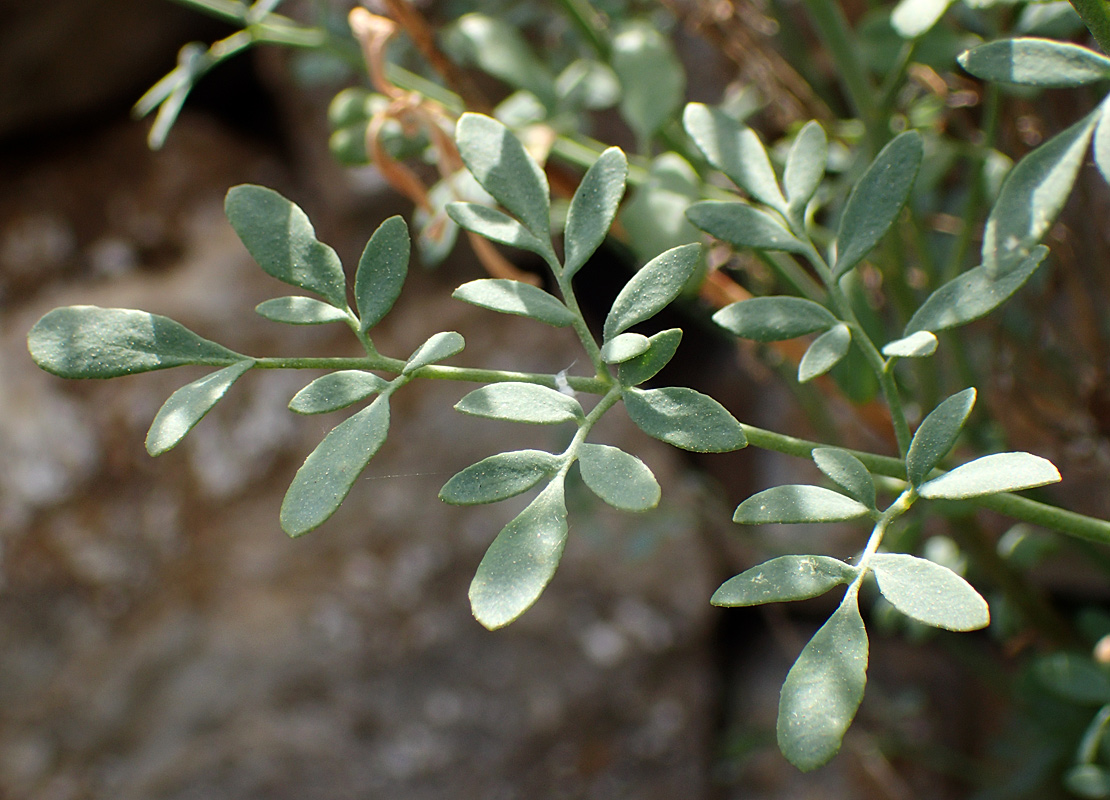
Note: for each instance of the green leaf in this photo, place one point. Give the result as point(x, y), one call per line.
point(497, 227)
point(624, 347)
point(621, 480)
point(661, 349)
point(1031, 197)
point(593, 208)
point(916, 345)
point(654, 219)
point(336, 390)
point(652, 79)
point(795, 504)
point(300, 311)
point(280, 238)
point(329, 472)
point(497, 47)
point(588, 84)
point(805, 165)
point(877, 199)
point(1035, 62)
point(381, 271)
point(438, 347)
point(1001, 472)
point(742, 225)
point(92, 342)
point(823, 689)
point(652, 288)
point(936, 434)
point(825, 352)
point(501, 165)
point(684, 418)
point(784, 579)
point(928, 592)
point(972, 295)
point(1088, 780)
point(735, 150)
point(772, 319)
point(1074, 677)
point(521, 402)
point(514, 297)
point(188, 405)
point(1102, 141)
point(499, 477)
point(521, 561)
point(847, 472)
point(912, 18)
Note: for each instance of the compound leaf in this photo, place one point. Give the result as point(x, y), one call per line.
point(278, 235)
point(1000, 472)
point(93, 342)
point(438, 347)
point(188, 405)
point(515, 297)
point(593, 208)
point(521, 402)
point(300, 311)
point(928, 592)
point(499, 477)
point(936, 434)
point(650, 290)
point(877, 199)
point(798, 503)
point(336, 390)
point(327, 475)
point(661, 349)
point(742, 225)
point(621, 480)
point(805, 165)
point(496, 226)
point(784, 579)
point(1035, 62)
point(825, 352)
point(382, 270)
point(847, 472)
point(772, 319)
point(623, 347)
point(521, 561)
point(499, 162)
point(684, 418)
point(823, 689)
point(735, 150)
point(916, 345)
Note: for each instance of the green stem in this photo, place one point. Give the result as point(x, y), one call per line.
point(590, 24)
point(896, 509)
point(1096, 16)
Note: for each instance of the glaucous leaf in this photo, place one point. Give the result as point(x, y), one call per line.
point(735, 150)
point(652, 288)
point(382, 270)
point(588, 84)
point(916, 345)
point(1031, 197)
point(188, 405)
point(593, 208)
point(1102, 141)
point(438, 347)
point(847, 472)
point(661, 349)
point(877, 199)
point(823, 689)
point(299, 311)
point(336, 390)
point(1088, 780)
point(621, 480)
point(1000, 472)
point(654, 218)
point(742, 225)
point(280, 238)
point(1036, 62)
point(825, 352)
point(772, 319)
point(496, 226)
point(798, 503)
point(784, 579)
point(329, 472)
point(623, 347)
point(972, 295)
point(521, 402)
point(912, 18)
point(929, 593)
point(805, 165)
point(501, 165)
point(521, 561)
point(93, 342)
point(499, 477)
point(652, 78)
point(1074, 677)
point(684, 418)
point(515, 297)
point(498, 48)
point(936, 434)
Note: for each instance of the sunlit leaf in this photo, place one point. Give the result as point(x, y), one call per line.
point(936, 434)
point(742, 225)
point(188, 405)
point(336, 390)
point(623, 347)
point(805, 165)
point(588, 84)
point(1000, 472)
point(684, 418)
point(735, 150)
point(498, 48)
point(621, 480)
point(593, 208)
point(381, 271)
point(499, 477)
point(521, 402)
point(928, 592)
point(652, 288)
point(847, 472)
point(798, 503)
point(438, 347)
point(515, 297)
point(661, 349)
point(1102, 141)
point(911, 18)
point(772, 319)
point(825, 352)
point(916, 345)
point(784, 579)
point(1036, 62)
point(654, 218)
point(652, 79)
point(300, 311)
point(496, 226)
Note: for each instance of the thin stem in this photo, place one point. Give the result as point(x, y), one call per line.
point(1096, 16)
point(589, 23)
point(896, 509)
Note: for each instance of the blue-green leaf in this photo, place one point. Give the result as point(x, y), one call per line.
point(661, 349)
point(382, 270)
point(916, 345)
point(1088, 780)
point(521, 402)
point(847, 472)
point(654, 219)
point(1074, 677)
point(735, 150)
point(912, 18)
point(336, 390)
point(499, 477)
point(497, 47)
point(798, 503)
point(300, 311)
point(1036, 62)
point(772, 319)
point(742, 225)
point(936, 434)
point(515, 297)
point(624, 347)
point(825, 352)
point(684, 418)
point(784, 579)
point(621, 480)
point(929, 593)
point(280, 238)
point(1102, 141)
point(521, 561)
point(188, 405)
point(651, 76)
point(497, 227)
point(593, 208)
point(438, 347)
point(1001, 472)
point(805, 165)
point(652, 288)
